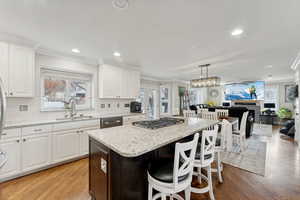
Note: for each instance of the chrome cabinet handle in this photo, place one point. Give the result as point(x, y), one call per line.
point(4, 133)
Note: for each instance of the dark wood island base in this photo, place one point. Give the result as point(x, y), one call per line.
point(114, 177)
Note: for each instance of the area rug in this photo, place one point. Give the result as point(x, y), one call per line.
point(253, 159)
point(262, 130)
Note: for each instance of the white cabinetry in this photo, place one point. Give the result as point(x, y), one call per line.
point(17, 70)
point(4, 64)
point(116, 82)
point(21, 71)
point(35, 152)
point(84, 142)
point(65, 145)
point(13, 165)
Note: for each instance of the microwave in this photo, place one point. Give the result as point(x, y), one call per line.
point(135, 107)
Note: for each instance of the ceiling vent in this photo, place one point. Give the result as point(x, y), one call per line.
point(120, 4)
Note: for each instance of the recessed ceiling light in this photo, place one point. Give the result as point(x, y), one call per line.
point(237, 32)
point(117, 54)
point(269, 66)
point(76, 50)
point(120, 4)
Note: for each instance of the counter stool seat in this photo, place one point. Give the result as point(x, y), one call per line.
point(162, 170)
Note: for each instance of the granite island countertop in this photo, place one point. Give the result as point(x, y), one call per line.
point(132, 141)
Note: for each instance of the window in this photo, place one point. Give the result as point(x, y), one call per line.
point(59, 87)
point(164, 100)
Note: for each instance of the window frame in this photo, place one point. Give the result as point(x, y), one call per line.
point(67, 75)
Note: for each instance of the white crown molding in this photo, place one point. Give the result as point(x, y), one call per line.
point(78, 59)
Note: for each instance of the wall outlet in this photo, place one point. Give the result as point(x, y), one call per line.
point(126, 105)
point(23, 108)
point(103, 105)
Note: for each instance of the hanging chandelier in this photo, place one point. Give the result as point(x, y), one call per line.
point(205, 81)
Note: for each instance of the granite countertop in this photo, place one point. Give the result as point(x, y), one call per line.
point(132, 141)
point(20, 124)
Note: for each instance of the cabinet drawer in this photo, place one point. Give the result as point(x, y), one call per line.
point(76, 125)
point(11, 133)
point(36, 130)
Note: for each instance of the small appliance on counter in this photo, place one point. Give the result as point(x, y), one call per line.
point(135, 107)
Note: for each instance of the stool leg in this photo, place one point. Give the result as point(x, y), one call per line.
point(211, 193)
point(199, 175)
point(150, 191)
point(187, 193)
point(163, 197)
point(219, 163)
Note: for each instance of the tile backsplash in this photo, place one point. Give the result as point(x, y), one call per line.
point(28, 109)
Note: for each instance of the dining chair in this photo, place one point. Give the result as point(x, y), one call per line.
point(209, 115)
point(222, 113)
point(240, 135)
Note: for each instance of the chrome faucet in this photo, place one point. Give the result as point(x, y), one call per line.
point(72, 104)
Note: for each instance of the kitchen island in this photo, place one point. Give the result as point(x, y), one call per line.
point(119, 156)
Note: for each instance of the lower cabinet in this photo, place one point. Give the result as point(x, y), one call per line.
point(65, 145)
point(84, 143)
point(13, 165)
point(35, 152)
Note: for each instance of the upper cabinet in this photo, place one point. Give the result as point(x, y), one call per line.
point(17, 70)
point(116, 82)
point(4, 65)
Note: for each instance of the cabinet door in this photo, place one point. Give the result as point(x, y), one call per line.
point(35, 152)
point(4, 64)
point(65, 145)
point(84, 143)
point(21, 71)
point(134, 84)
point(13, 165)
point(126, 87)
point(110, 84)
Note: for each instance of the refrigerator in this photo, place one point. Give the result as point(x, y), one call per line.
point(3, 154)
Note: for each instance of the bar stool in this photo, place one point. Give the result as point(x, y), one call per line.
point(220, 147)
point(204, 159)
point(172, 177)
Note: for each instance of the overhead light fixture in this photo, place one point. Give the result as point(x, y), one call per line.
point(269, 66)
point(120, 4)
point(237, 32)
point(76, 50)
point(117, 54)
point(205, 81)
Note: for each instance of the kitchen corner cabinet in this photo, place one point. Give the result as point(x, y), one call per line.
point(17, 70)
point(116, 82)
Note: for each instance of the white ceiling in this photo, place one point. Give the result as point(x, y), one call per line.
point(167, 38)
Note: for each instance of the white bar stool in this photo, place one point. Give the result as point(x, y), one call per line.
point(204, 159)
point(220, 147)
point(172, 177)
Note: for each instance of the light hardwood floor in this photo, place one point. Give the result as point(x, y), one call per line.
point(70, 181)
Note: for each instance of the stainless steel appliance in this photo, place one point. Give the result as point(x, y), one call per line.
point(109, 122)
point(3, 154)
point(160, 123)
point(135, 107)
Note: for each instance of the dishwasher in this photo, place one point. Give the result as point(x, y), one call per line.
point(109, 122)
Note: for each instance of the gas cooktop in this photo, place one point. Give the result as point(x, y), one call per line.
point(160, 123)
